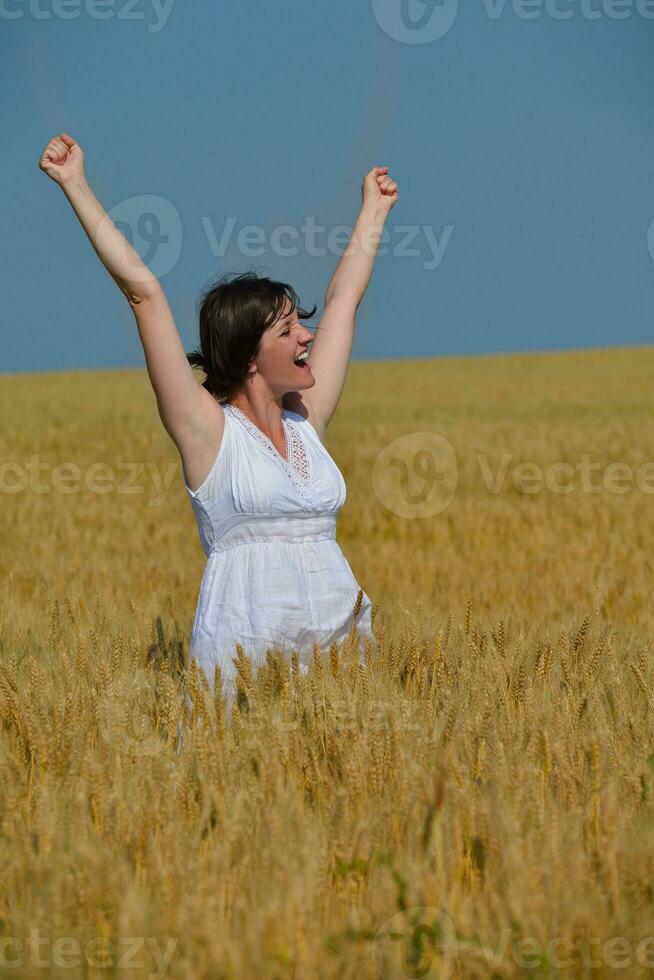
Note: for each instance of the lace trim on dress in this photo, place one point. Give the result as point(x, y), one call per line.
point(295, 450)
point(296, 465)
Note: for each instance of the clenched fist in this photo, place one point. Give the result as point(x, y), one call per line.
point(62, 159)
point(379, 189)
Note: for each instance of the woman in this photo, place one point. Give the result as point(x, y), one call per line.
point(265, 491)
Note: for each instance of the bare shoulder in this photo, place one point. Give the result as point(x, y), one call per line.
point(200, 441)
point(300, 402)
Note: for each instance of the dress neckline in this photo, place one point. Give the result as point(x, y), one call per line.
point(296, 463)
point(249, 424)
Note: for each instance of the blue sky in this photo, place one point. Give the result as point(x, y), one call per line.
point(521, 135)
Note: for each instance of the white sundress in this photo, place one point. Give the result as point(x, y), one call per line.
point(275, 575)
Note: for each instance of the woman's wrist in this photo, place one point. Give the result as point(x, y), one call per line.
point(373, 213)
point(73, 185)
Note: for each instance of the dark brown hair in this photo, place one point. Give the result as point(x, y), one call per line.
point(235, 311)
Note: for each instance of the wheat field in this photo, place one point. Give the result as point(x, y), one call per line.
point(472, 799)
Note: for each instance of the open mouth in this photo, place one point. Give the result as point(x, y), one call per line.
point(301, 361)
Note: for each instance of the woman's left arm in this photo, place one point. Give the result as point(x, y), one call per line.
point(329, 356)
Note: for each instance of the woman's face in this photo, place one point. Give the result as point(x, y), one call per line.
point(281, 345)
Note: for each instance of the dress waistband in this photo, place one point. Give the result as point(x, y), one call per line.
point(250, 528)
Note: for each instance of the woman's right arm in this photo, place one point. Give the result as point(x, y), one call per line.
point(186, 408)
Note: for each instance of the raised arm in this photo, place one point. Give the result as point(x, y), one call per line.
point(329, 356)
point(179, 395)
